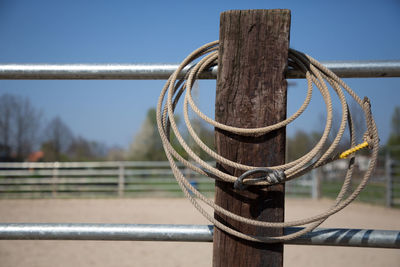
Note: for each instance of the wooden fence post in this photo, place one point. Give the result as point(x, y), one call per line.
point(316, 176)
point(251, 92)
point(389, 180)
point(54, 180)
point(121, 179)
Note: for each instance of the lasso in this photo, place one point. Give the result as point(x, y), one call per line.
point(316, 74)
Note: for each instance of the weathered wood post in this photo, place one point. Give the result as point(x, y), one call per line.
point(251, 92)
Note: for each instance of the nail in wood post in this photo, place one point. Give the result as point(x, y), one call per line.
point(251, 92)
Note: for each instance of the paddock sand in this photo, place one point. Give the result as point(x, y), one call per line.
point(175, 211)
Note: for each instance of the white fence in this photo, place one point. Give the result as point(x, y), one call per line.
point(119, 179)
point(155, 178)
point(102, 179)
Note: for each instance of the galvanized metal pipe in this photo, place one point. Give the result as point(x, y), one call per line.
point(347, 237)
point(188, 233)
point(344, 69)
point(92, 72)
point(131, 232)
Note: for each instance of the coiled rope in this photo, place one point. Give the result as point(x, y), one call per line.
point(316, 74)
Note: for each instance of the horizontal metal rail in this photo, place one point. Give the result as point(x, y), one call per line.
point(188, 233)
point(344, 69)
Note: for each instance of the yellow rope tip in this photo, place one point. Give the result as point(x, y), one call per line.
point(350, 151)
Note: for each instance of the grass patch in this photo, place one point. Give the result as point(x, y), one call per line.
point(374, 192)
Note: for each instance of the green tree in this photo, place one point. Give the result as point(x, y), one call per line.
point(116, 153)
point(147, 143)
point(300, 144)
point(206, 134)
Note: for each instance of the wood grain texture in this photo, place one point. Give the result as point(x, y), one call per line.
point(251, 92)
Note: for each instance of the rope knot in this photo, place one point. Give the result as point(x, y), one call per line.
point(368, 138)
point(272, 177)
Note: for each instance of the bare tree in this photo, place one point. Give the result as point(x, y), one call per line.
point(81, 149)
point(19, 125)
point(357, 117)
point(26, 128)
point(58, 138)
point(7, 104)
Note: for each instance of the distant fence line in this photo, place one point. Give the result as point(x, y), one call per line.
point(71, 179)
point(124, 178)
point(143, 178)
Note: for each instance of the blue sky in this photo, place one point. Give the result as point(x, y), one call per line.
point(165, 32)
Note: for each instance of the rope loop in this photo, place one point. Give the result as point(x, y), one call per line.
point(324, 151)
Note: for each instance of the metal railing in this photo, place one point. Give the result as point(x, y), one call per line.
point(345, 237)
point(344, 69)
point(189, 233)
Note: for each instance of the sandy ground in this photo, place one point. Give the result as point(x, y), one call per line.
point(175, 211)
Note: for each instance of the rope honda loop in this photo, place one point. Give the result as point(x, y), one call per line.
point(321, 154)
point(272, 176)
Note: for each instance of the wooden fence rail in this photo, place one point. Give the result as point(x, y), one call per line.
point(142, 178)
point(104, 179)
